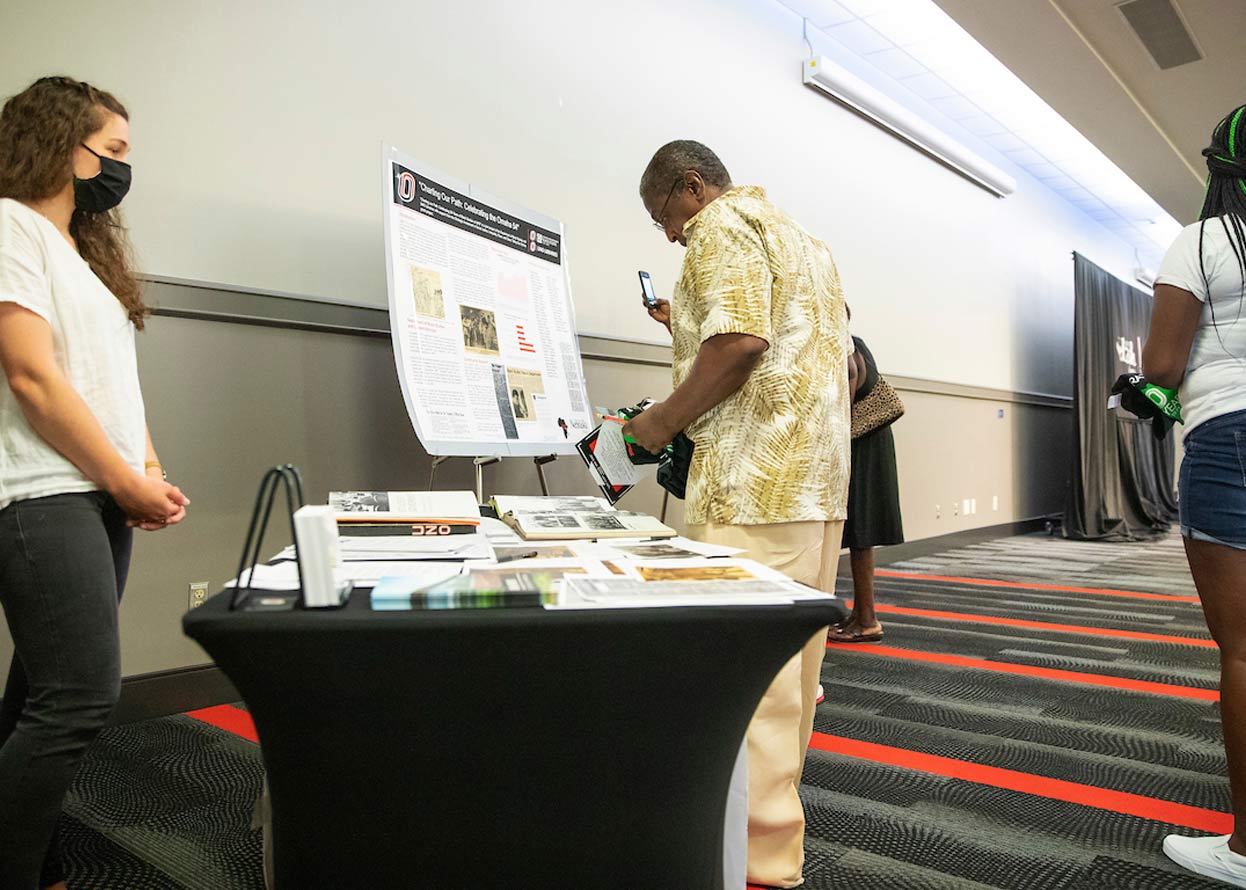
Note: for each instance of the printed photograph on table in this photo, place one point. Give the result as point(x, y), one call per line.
point(480, 330)
point(359, 501)
point(695, 573)
point(553, 520)
point(655, 551)
point(509, 503)
point(430, 302)
point(528, 551)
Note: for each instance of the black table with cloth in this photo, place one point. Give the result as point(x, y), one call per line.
point(508, 748)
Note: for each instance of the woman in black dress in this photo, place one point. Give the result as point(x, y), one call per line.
point(873, 510)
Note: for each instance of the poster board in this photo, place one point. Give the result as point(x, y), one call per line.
point(481, 318)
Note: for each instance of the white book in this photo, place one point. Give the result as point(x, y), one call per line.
point(402, 506)
point(581, 526)
point(512, 503)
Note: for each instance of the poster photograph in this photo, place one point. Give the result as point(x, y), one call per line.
point(480, 330)
point(526, 390)
point(430, 302)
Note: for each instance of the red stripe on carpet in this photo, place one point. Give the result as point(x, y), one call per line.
point(1030, 671)
point(1054, 789)
point(228, 718)
point(987, 582)
point(1044, 625)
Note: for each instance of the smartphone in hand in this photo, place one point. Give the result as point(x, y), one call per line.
point(646, 288)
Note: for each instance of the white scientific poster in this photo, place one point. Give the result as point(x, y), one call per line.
point(481, 317)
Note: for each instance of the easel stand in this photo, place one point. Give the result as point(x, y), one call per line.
point(540, 463)
point(432, 471)
point(481, 462)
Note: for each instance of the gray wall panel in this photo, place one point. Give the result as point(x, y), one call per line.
point(227, 400)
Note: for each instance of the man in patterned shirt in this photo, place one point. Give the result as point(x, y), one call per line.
point(760, 341)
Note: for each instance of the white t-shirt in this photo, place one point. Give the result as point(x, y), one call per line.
point(93, 340)
point(1215, 376)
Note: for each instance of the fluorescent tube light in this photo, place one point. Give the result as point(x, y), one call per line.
point(844, 87)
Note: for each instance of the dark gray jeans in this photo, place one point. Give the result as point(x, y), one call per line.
point(63, 564)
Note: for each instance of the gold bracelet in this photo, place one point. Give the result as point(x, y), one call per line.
point(155, 463)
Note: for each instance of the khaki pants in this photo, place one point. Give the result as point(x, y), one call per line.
point(778, 736)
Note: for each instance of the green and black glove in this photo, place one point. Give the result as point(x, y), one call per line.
point(1148, 402)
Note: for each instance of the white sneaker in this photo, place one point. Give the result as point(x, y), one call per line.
point(821, 694)
point(1207, 856)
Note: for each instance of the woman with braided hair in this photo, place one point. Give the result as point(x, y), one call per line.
point(1197, 341)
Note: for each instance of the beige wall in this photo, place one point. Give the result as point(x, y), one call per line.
point(956, 448)
point(257, 163)
point(258, 126)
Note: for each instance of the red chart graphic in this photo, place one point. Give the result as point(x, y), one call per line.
point(525, 345)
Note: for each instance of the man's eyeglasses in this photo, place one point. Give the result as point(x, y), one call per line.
point(660, 222)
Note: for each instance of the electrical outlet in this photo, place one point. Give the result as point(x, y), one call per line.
point(994, 502)
point(938, 512)
point(197, 594)
point(955, 508)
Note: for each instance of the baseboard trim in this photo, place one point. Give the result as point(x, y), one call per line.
point(884, 556)
point(146, 696)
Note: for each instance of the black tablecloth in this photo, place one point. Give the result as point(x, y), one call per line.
point(502, 748)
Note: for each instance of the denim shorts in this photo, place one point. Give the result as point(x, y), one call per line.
point(1213, 482)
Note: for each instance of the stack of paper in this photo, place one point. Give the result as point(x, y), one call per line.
point(692, 582)
point(447, 547)
point(474, 546)
point(285, 575)
point(558, 562)
point(670, 548)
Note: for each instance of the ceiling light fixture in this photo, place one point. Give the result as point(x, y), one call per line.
point(841, 85)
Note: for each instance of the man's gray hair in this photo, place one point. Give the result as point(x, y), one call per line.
point(673, 160)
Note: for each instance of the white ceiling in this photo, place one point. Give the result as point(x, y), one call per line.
point(1076, 74)
point(1157, 136)
point(926, 59)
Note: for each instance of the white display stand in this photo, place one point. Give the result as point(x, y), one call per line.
point(481, 317)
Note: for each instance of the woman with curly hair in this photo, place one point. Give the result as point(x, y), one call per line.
point(77, 467)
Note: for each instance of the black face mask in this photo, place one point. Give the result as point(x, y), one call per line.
point(104, 191)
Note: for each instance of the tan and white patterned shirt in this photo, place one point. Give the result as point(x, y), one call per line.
point(777, 450)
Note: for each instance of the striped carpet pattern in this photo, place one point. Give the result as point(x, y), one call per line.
point(1039, 715)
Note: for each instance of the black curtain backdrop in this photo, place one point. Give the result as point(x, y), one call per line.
point(1122, 478)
